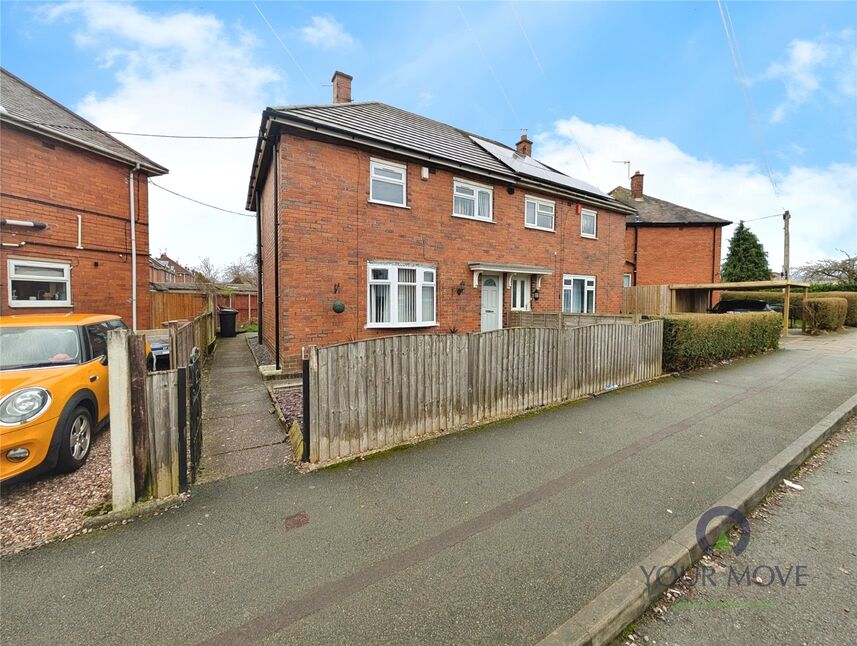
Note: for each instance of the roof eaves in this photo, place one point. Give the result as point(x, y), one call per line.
point(144, 162)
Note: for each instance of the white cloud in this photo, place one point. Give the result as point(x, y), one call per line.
point(326, 32)
point(822, 200)
point(180, 73)
point(804, 72)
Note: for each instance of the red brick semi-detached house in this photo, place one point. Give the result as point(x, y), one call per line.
point(668, 243)
point(73, 212)
point(375, 221)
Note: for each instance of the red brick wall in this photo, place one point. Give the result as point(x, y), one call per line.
point(267, 319)
point(329, 231)
point(55, 185)
point(675, 254)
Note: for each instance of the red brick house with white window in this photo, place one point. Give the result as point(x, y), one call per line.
point(373, 220)
point(668, 243)
point(74, 216)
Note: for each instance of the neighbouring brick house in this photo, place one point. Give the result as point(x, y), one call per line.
point(69, 190)
point(166, 270)
point(668, 243)
point(393, 223)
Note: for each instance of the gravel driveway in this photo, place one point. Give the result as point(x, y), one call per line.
point(54, 506)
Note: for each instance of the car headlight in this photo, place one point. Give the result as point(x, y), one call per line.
point(23, 405)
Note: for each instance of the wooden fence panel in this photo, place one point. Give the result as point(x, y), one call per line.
point(162, 400)
point(653, 300)
point(378, 393)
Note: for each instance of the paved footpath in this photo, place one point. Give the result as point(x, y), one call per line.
point(242, 433)
point(813, 529)
point(488, 537)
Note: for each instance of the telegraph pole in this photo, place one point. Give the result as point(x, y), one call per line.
point(786, 217)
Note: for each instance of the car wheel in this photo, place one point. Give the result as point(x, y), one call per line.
point(76, 441)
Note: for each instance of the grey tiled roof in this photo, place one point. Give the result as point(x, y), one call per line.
point(651, 210)
point(372, 122)
point(23, 104)
point(401, 128)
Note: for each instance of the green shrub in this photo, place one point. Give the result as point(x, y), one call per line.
point(833, 287)
point(851, 303)
point(824, 314)
point(698, 340)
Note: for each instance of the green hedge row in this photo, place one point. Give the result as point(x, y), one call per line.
point(796, 301)
point(824, 314)
point(698, 340)
point(833, 287)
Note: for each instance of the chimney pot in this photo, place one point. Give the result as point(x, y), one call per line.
point(524, 146)
point(637, 185)
point(341, 87)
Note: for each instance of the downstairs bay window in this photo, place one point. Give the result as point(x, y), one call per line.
point(401, 295)
point(578, 294)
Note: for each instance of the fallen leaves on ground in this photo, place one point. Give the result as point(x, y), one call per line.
point(54, 505)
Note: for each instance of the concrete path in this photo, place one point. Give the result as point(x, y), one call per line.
point(813, 529)
point(488, 537)
point(241, 430)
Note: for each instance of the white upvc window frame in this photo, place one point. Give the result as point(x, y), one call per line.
point(537, 202)
point(12, 275)
point(589, 285)
point(392, 166)
point(584, 213)
point(627, 280)
point(521, 285)
point(476, 188)
point(422, 280)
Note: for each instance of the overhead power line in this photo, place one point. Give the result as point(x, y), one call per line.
point(61, 126)
point(283, 45)
point(210, 206)
point(735, 52)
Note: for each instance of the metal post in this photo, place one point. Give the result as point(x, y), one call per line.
point(182, 388)
point(306, 419)
point(786, 217)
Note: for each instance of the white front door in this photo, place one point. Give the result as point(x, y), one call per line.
point(491, 309)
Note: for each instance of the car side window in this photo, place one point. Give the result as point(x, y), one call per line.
point(117, 324)
point(97, 335)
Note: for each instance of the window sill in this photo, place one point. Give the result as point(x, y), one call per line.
point(24, 304)
point(535, 228)
point(398, 206)
point(467, 217)
point(584, 235)
point(399, 326)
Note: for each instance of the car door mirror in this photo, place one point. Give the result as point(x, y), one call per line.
point(103, 359)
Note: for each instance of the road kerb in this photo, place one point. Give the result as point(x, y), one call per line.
point(607, 615)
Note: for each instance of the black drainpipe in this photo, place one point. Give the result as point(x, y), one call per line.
point(277, 255)
point(259, 267)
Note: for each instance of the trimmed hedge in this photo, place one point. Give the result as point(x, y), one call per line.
point(698, 340)
point(796, 301)
point(824, 314)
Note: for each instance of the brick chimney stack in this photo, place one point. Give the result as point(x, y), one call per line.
point(524, 146)
point(637, 185)
point(341, 87)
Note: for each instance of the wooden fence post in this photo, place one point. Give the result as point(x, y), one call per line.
point(140, 417)
point(121, 446)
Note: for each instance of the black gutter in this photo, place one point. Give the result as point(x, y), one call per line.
point(678, 224)
point(276, 255)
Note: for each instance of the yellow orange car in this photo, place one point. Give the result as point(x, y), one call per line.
point(53, 390)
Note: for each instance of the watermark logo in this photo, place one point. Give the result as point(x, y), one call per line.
point(723, 511)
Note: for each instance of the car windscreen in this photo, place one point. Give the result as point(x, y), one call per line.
point(38, 347)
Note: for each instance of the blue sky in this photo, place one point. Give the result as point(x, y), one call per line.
point(653, 83)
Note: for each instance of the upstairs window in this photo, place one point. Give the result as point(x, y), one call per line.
point(578, 294)
point(401, 295)
point(588, 223)
point(388, 183)
point(539, 214)
point(472, 200)
point(35, 283)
